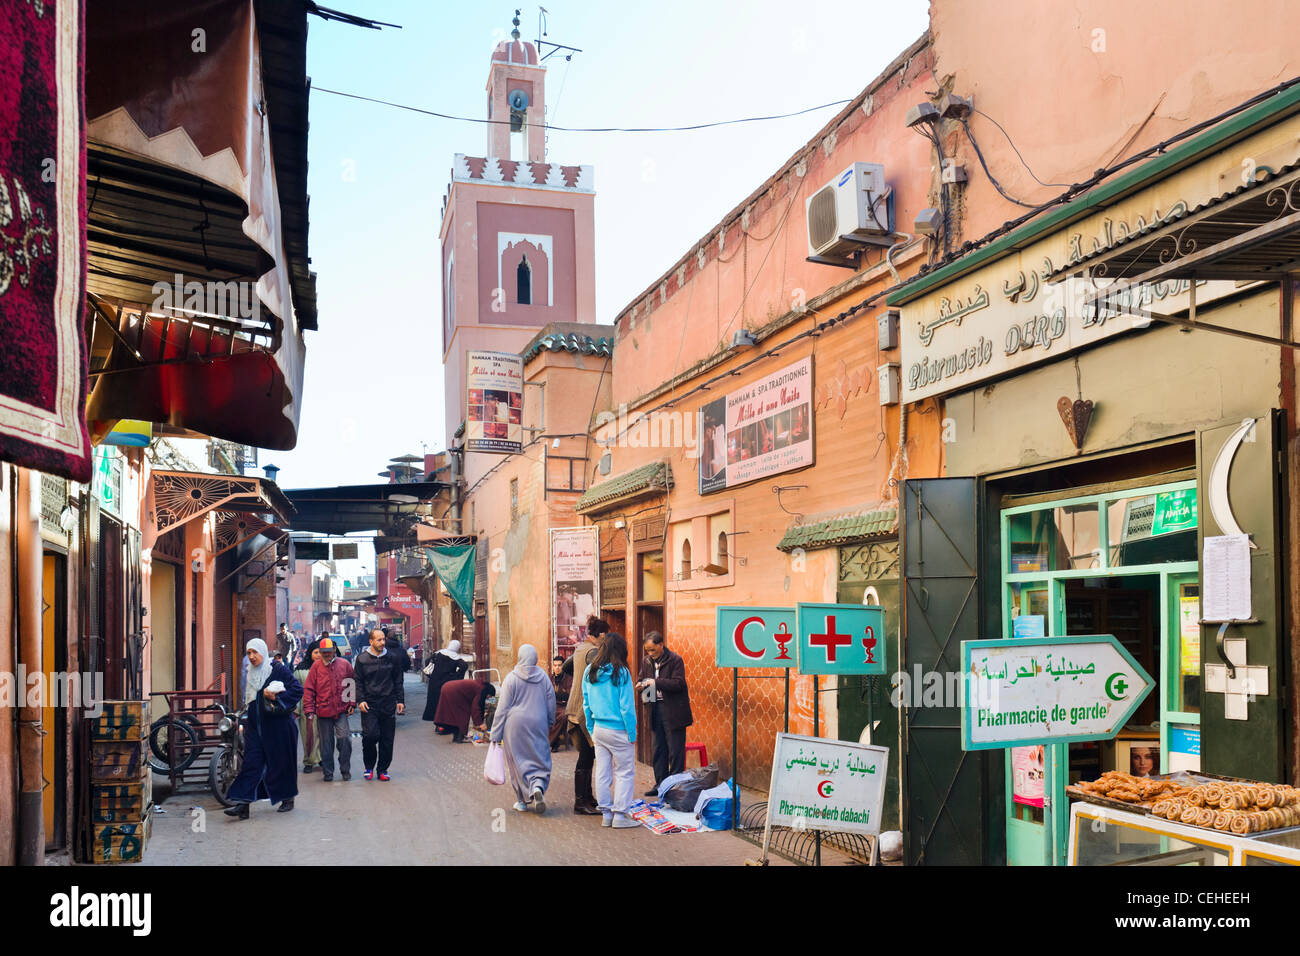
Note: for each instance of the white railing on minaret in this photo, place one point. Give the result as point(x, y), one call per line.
point(493, 170)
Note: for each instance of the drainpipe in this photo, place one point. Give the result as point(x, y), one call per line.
point(31, 818)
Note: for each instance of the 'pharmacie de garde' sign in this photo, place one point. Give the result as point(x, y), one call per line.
point(1006, 315)
point(1047, 690)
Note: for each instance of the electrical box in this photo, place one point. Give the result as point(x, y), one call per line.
point(887, 330)
point(890, 384)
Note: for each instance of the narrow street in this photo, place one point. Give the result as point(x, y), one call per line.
point(437, 809)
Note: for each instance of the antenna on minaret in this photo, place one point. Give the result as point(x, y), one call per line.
point(555, 47)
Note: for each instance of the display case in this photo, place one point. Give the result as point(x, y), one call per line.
point(1100, 836)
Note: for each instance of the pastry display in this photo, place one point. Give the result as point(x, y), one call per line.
point(1238, 808)
point(1117, 785)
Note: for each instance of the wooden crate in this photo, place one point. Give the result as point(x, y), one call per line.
point(121, 720)
point(126, 802)
point(120, 842)
point(118, 761)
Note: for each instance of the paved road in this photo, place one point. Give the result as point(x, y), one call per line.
point(437, 809)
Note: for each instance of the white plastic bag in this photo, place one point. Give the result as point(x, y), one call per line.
point(494, 767)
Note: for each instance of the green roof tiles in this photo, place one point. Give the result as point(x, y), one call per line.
point(571, 342)
point(840, 528)
point(656, 475)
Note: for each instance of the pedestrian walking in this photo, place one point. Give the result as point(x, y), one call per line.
point(584, 800)
point(380, 698)
point(394, 645)
point(282, 640)
point(609, 708)
point(663, 684)
point(329, 693)
point(306, 720)
point(448, 665)
point(522, 724)
point(563, 684)
point(270, 736)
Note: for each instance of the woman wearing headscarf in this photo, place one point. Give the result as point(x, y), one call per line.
point(448, 665)
point(462, 705)
point(522, 726)
point(270, 737)
point(307, 725)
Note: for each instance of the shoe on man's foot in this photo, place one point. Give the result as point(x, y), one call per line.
point(286, 806)
point(370, 775)
point(607, 820)
point(652, 792)
point(327, 777)
point(586, 810)
point(346, 776)
point(239, 810)
point(521, 806)
point(384, 777)
point(306, 768)
point(539, 799)
point(624, 823)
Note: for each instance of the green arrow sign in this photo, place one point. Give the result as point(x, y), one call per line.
point(1047, 690)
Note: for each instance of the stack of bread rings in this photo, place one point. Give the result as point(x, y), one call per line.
point(1238, 808)
point(1117, 785)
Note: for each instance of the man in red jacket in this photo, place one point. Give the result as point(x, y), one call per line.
point(329, 693)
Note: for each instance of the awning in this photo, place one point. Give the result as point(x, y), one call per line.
point(348, 508)
point(844, 526)
point(42, 257)
point(454, 565)
point(197, 166)
point(246, 506)
point(654, 477)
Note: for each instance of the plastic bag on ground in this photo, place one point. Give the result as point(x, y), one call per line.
point(721, 790)
point(494, 767)
point(667, 783)
point(682, 796)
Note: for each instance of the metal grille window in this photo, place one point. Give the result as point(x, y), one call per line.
point(503, 627)
point(54, 498)
point(613, 583)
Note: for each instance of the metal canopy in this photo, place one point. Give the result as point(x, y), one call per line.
point(1251, 234)
point(349, 508)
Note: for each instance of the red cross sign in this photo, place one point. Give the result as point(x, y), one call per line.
point(830, 640)
point(827, 629)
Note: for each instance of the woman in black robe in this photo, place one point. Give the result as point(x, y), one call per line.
point(270, 768)
point(447, 666)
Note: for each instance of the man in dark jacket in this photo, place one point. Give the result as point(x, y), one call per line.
point(380, 698)
point(663, 677)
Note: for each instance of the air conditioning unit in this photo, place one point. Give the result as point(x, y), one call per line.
point(855, 204)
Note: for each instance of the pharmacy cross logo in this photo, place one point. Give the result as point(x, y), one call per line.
point(830, 640)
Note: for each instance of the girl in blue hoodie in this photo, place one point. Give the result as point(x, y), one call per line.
point(609, 704)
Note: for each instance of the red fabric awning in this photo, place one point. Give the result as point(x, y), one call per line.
point(183, 133)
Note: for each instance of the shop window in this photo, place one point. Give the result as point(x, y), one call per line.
point(651, 583)
point(524, 282)
point(1142, 530)
point(686, 560)
point(503, 627)
point(1054, 539)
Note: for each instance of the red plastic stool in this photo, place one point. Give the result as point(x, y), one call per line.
point(701, 750)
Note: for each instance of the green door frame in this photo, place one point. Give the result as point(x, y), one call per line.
point(1021, 846)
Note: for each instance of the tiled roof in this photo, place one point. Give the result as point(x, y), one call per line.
point(571, 342)
point(656, 475)
point(841, 527)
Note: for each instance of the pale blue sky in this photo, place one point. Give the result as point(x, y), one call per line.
point(373, 379)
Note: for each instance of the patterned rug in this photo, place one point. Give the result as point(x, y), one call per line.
point(42, 238)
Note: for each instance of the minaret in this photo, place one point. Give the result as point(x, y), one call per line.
point(518, 232)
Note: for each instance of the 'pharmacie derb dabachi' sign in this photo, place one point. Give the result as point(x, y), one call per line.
point(760, 430)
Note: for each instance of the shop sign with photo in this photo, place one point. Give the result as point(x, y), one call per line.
point(1025, 691)
point(575, 585)
point(757, 431)
point(494, 402)
point(755, 637)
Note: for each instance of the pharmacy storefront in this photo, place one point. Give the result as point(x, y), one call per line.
point(1117, 418)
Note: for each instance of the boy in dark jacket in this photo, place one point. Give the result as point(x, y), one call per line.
point(381, 698)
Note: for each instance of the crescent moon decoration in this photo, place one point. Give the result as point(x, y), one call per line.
point(738, 636)
point(1220, 506)
point(824, 789)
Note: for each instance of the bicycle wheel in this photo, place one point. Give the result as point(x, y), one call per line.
point(222, 771)
point(186, 745)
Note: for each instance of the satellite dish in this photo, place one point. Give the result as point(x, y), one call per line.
point(519, 100)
